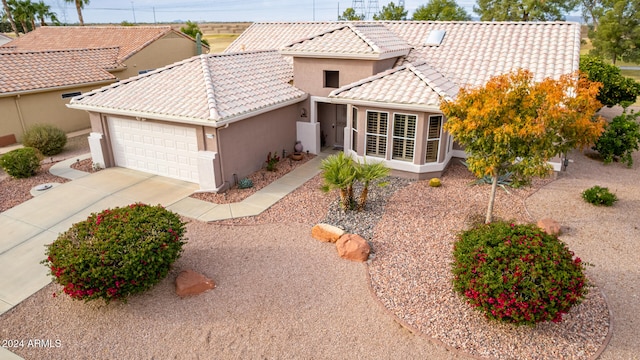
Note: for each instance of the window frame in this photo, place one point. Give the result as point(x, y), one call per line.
point(379, 136)
point(328, 82)
point(354, 129)
point(438, 139)
point(407, 116)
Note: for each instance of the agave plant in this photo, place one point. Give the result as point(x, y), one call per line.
point(503, 180)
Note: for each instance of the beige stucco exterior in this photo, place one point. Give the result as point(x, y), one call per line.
point(245, 144)
point(22, 110)
point(309, 72)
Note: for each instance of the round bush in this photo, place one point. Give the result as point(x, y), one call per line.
point(620, 139)
point(435, 182)
point(21, 163)
point(517, 274)
point(597, 195)
point(116, 253)
point(47, 138)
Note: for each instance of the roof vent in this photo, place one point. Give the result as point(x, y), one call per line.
point(435, 38)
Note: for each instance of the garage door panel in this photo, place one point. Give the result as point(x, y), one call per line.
point(158, 148)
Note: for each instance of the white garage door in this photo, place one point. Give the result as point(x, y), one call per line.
point(157, 148)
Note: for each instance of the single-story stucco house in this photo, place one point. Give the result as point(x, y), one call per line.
point(43, 69)
point(370, 88)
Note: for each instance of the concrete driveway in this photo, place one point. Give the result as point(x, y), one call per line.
point(26, 229)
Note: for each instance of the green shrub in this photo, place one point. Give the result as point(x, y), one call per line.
point(245, 183)
point(116, 253)
point(599, 196)
point(47, 138)
point(620, 139)
point(21, 163)
point(272, 161)
point(517, 273)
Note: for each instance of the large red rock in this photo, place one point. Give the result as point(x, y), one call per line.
point(549, 226)
point(190, 283)
point(353, 247)
point(326, 233)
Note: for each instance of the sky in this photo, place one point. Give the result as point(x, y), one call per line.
point(150, 11)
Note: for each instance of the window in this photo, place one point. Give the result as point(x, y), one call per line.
point(331, 79)
point(404, 136)
point(433, 138)
point(377, 124)
point(354, 130)
point(71, 94)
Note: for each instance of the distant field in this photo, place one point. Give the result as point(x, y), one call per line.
point(219, 42)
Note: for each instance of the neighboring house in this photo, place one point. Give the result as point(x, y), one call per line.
point(41, 70)
point(370, 88)
point(4, 39)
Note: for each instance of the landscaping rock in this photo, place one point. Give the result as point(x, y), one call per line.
point(549, 226)
point(190, 282)
point(326, 233)
point(353, 247)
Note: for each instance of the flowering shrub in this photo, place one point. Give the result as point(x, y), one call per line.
point(272, 161)
point(116, 253)
point(517, 273)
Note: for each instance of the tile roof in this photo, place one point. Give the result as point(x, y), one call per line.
point(470, 53)
point(356, 41)
point(205, 88)
point(406, 84)
point(33, 70)
point(130, 39)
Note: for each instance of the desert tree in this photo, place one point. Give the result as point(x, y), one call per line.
point(441, 10)
point(350, 15)
point(79, 6)
point(524, 10)
point(515, 124)
point(391, 11)
point(618, 33)
point(7, 13)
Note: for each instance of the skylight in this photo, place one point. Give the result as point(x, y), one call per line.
point(435, 38)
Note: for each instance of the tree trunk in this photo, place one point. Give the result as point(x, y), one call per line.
point(350, 195)
point(492, 199)
point(25, 28)
point(79, 8)
point(33, 24)
point(10, 17)
point(363, 197)
point(344, 198)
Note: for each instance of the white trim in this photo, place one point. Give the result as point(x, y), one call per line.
point(366, 134)
point(349, 56)
point(383, 105)
point(426, 140)
point(184, 119)
point(459, 154)
point(57, 88)
point(404, 165)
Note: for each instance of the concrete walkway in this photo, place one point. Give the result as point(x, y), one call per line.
point(28, 227)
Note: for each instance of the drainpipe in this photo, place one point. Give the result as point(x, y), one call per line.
point(220, 152)
point(20, 117)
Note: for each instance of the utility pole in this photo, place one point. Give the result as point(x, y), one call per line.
point(358, 8)
point(314, 10)
point(154, 15)
point(134, 12)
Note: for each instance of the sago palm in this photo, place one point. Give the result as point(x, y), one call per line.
point(368, 173)
point(339, 173)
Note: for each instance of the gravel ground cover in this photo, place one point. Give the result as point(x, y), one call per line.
point(411, 228)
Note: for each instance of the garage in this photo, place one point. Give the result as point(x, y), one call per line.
point(157, 148)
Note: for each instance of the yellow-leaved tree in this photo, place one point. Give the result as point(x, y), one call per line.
point(515, 125)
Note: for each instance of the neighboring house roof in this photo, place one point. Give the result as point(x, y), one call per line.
point(407, 85)
point(213, 88)
point(4, 39)
point(470, 52)
point(353, 41)
point(37, 70)
point(129, 39)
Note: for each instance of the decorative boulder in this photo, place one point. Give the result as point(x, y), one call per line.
point(549, 226)
point(190, 282)
point(326, 233)
point(353, 247)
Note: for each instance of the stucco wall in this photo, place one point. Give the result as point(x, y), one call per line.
point(164, 51)
point(41, 108)
point(309, 72)
point(244, 145)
